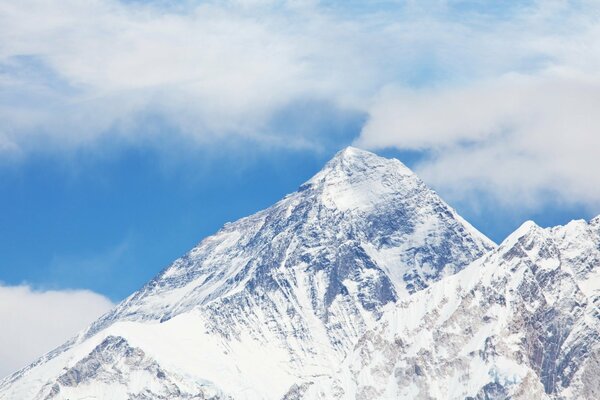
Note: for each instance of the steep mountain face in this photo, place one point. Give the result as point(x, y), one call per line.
point(523, 322)
point(362, 284)
point(360, 234)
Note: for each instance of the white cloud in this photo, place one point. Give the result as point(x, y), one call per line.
point(520, 138)
point(210, 69)
point(71, 71)
point(526, 134)
point(515, 81)
point(35, 322)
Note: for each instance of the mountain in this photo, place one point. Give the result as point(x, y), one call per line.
point(362, 284)
point(522, 322)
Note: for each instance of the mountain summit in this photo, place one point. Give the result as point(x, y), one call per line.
point(276, 305)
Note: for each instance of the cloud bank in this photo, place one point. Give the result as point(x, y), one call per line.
point(36, 322)
point(500, 97)
point(524, 139)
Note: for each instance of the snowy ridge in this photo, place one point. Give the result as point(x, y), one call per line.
point(523, 322)
point(362, 284)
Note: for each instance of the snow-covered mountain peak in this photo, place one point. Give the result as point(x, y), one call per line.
point(522, 322)
point(526, 229)
point(352, 160)
point(362, 218)
point(356, 179)
point(363, 284)
point(300, 281)
point(571, 250)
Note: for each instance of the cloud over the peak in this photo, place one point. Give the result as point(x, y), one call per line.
point(35, 322)
point(486, 89)
point(71, 72)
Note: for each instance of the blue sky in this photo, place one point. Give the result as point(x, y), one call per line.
point(130, 130)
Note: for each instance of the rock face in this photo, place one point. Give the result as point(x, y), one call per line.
point(362, 284)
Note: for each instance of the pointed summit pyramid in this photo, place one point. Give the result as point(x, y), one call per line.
point(256, 310)
point(358, 207)
point(358, 179)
